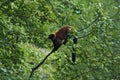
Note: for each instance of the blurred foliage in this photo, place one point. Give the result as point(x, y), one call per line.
point(25, 25)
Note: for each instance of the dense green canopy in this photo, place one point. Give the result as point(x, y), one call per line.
point(26, 24)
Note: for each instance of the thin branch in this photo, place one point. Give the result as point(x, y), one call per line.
point(89, 24)
point(86, 34)
point(94, 21)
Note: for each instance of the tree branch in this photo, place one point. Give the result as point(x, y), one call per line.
point(86, 34)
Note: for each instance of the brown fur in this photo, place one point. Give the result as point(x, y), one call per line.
point(58, 37)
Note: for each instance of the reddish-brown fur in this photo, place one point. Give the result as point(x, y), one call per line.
point(62, 33)
point(58, 37)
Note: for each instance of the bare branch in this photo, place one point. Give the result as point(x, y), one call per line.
point(86, 34)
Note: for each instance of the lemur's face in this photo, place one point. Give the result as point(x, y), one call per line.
point(51, 36)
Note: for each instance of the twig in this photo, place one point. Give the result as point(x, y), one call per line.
point(86, 34)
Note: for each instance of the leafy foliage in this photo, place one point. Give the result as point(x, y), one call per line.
point(25, 25)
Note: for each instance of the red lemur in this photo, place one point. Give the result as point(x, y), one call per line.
point(60, 37)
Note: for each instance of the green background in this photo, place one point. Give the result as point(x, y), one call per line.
point(26, 24)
